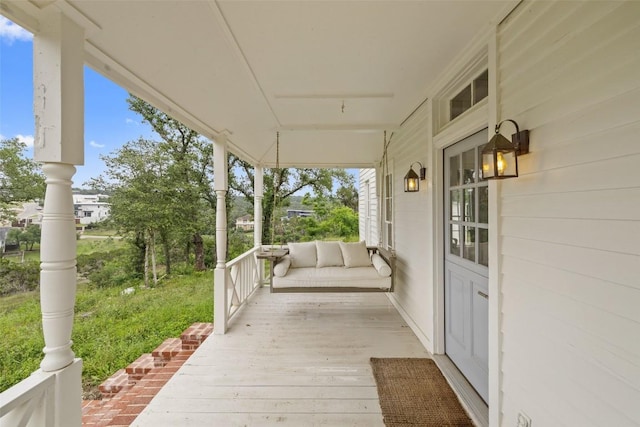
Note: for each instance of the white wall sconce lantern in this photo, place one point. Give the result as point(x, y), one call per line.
point(412, 180)
point(500, 156)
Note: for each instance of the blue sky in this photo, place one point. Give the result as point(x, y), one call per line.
point(108, 121)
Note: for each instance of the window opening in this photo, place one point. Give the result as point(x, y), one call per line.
point(473, 93)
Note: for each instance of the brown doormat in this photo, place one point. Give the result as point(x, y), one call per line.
point(413, 392)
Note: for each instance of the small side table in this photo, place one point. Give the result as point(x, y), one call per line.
point(273, 255)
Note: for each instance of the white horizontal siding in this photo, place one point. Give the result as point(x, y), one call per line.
point(413, 225)
point(570, 224)
point(368, 175)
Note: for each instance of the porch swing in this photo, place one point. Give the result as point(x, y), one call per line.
point(325, 266)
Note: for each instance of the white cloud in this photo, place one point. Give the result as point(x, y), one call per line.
point(26, 139)
point(131, 121)
point(95, 144)
point(10, 32)
point(2, 138)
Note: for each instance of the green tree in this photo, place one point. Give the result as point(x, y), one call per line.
point(20, 178)
point(342, 221)
point(30, 236)
point(347, 194)
point(284, 182)
point(145, 201)
point(191, 163)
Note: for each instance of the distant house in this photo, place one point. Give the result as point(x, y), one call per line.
point(88, 208)
point(31, 213)
point(245, 223)
point(294, 213)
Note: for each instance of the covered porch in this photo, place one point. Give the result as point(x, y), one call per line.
point(557, 305)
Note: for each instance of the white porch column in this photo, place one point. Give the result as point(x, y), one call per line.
point(258, 195)
point(220, 185)
point(58, 52)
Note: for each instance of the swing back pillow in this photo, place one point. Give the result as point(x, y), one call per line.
point(355, 254)
point(303, 254)
point(329, 254)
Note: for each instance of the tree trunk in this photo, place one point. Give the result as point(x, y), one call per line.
point(266, 223)
point(153, 259)
point(167, 254)
point(199, 251)
point(140, 245)
point(146, 265)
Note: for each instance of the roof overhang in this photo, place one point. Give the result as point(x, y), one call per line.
point(330, 76)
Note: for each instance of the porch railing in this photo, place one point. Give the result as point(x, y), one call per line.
point(29, 403)
point(243, 278)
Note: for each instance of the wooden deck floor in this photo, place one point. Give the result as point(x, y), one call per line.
point(288, 360)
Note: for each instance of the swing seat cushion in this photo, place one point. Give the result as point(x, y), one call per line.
point(334, 277)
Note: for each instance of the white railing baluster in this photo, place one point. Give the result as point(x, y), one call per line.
point(29, 403)
point(241, 279)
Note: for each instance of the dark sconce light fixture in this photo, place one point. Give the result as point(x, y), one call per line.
point(412, 180)
point(500, 156)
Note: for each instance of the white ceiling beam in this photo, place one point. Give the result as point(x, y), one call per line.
point(336, 96)
point(362, 127)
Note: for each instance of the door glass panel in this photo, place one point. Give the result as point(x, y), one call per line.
point(454, 239)
point(483, 202)
point(469, 248)
point(483, 247)
point(479, 150)
point(454, 171)
point(469, 205)
point(468, 167)
point(455, 206)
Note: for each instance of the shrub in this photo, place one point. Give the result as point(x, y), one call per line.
point(105, 269)
point(15, 277)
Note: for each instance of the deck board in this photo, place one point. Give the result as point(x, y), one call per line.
point(288, 360)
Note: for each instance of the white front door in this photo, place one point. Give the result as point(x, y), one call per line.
point(466, 261)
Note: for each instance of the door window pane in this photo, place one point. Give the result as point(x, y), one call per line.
point(454, 171)
point(469, 205)
point(454, 239)
point(469, 244)
point(455, 205)
point(468, 167)
point(483, 247)
point(483, 202)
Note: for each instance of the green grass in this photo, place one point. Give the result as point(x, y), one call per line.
point(110, 330)
point(84, 246)
point(87, 246)
point(98, 232)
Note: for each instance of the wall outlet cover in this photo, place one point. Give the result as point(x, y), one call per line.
point(523, 420)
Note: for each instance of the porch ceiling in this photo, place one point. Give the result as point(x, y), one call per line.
point(329, 75)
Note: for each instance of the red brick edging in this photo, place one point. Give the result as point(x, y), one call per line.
point(129, 391)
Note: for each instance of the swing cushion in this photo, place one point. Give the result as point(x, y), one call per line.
point(281, 268)
point(355, 254)
point(329, 254)
point(380, 265)
point(303, 254)
point(372, 276)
